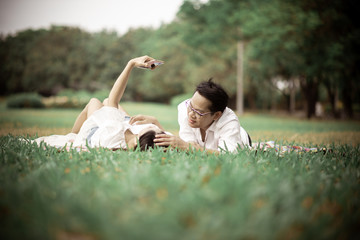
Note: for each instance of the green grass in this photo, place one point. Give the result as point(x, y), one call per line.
point(260, 126)
point(51, 194)
point(46, 194)
point(266, 122)
point(65, 118)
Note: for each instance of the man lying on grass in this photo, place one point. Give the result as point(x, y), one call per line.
point(206, 123)
point(106, 124)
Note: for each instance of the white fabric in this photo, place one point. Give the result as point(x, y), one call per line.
point(110, 133)
point(223, 134)
point(112, 127)
point(111, 123)
point(57, 140)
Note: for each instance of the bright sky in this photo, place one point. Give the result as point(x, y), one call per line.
point(90, 15)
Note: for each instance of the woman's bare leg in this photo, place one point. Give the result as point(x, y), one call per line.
point(106, 103)
point(93, 105)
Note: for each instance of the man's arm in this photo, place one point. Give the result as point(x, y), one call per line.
point(176, 142)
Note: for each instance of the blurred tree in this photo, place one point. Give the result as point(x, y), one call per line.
point(13, 59)
point(314, 42)
point(212, 31)
point(132, 43)
point(307, 40)
point(47, 69)
point(276, 32)
point(170, 79)
point(333, 47)
point(104, 55)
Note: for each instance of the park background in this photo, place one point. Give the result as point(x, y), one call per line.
point(299, 67)
point(299, 56)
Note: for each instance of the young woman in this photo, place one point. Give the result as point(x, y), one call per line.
point(106, 124)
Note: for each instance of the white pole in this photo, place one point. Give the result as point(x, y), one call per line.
point(240, 78)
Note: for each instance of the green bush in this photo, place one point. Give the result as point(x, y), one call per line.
point(69, 98)
point(102, 94)
point(179, 98)
point(81, 95)
point(25, 100)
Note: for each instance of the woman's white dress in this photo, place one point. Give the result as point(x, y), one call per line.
point(104, 128)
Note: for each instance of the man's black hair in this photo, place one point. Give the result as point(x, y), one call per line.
point(146, 140)
point(215, 94)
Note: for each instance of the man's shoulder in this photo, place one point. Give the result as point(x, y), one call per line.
point(228, 119)
point(230, 115)
point(182, 105)
point(182, 114)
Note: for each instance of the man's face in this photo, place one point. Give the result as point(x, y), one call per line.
point(199, 104)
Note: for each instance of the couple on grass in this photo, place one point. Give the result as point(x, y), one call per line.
point(206, 123)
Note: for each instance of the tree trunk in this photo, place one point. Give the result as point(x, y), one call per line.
point(310, 89)
point(292, 91)
point(346, 96)
point(332, 94)
point(251, 98)
point(240, 76)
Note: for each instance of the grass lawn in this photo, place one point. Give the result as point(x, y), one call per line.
point(51, 194)
point(261, 127)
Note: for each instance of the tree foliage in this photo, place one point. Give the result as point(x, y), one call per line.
point(315, 42)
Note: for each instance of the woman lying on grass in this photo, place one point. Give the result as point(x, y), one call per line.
point(106, 124)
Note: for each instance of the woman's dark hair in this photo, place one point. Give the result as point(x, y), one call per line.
point(215, 94)
point(146, 141)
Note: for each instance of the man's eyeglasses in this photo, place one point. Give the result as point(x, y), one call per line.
point(197, 113)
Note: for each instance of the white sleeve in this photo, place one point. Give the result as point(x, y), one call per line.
point(230, 137)
point(186, 133)
point(244, 137)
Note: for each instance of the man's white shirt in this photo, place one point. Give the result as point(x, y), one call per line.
point(223, 134)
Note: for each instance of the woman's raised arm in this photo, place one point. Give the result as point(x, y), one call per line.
point(119, 86)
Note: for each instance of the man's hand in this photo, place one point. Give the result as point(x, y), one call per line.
point(141, 61)
point(170, 140)
point(176, 142)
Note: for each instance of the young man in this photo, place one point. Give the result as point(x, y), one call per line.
point(206, 123)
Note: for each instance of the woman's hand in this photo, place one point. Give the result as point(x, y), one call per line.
point(141, 61)
point(144, 119)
